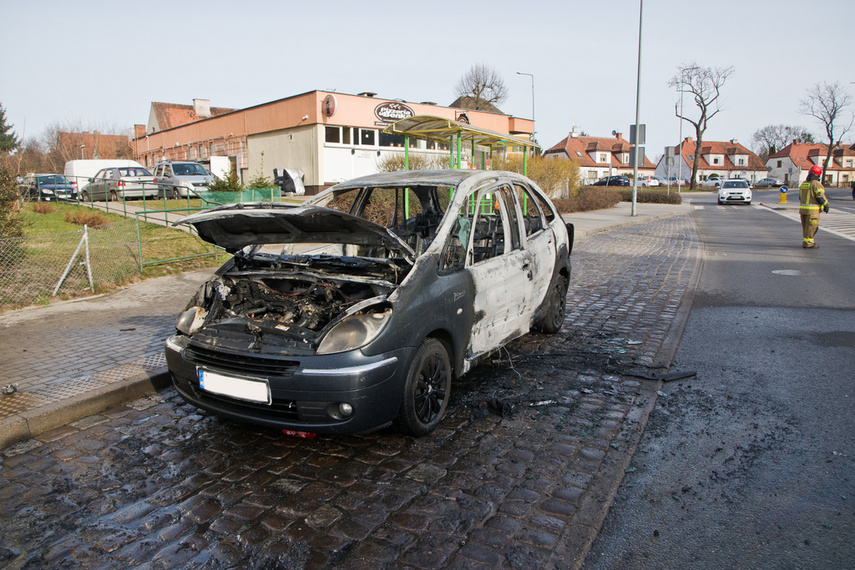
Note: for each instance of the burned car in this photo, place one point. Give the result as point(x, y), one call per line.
point(356, 310)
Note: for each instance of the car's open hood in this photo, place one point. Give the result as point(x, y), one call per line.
point(236, 226)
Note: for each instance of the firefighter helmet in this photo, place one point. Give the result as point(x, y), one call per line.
point(816, 169)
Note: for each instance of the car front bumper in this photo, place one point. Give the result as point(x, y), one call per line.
point(734, 198)
point(305, 393)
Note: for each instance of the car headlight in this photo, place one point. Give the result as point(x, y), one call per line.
point(354, 332)
point(191, 320)
point(47, 191)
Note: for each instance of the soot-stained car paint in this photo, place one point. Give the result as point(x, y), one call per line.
point(357, 309)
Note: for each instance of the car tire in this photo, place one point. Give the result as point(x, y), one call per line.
point(114, 196)
point(84, 196)
point(175, 193)
point(748, 203)
point(552, 319)
point(426, 390)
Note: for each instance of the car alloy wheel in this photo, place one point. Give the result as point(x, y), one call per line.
point(426, 389)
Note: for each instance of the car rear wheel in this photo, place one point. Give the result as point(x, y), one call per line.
point(426, 389)
point(556, 307)
point(84, 196)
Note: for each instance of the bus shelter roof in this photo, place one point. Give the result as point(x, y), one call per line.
point(441, 129)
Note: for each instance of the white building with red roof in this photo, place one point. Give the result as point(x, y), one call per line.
point(792, 163)
point(727, 159)
point(598, 156)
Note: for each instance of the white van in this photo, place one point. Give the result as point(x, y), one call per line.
point(78, 172)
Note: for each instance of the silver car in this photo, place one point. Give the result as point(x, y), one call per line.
point(181, 179)
point(119, 183)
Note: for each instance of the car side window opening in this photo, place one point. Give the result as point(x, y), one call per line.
point(530, 208)
point(482, 220)
point(547, 210)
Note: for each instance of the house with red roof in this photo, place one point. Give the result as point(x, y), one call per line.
point(598, 157)
point(792, 163)
point(727, 159)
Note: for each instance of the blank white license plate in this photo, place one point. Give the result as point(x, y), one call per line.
point(240, 388)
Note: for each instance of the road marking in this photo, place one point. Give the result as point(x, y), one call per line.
point(836, 222)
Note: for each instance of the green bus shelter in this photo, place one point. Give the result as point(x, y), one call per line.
point(457, 134)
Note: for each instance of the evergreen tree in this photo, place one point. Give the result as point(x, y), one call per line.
point(8, 139)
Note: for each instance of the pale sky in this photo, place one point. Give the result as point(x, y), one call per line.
point(100, 64)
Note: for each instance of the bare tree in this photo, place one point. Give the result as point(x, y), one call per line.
point(772, 138)
point(704, 84)
point(483, 86)
point(827, 103)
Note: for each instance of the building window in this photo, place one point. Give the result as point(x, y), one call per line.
point(715, 161)
point(367, 137)
point(741, 161)
point(333, 135)
point(779, 164)
point(392, 140)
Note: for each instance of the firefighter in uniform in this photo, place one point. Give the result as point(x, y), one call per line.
point(811, 200)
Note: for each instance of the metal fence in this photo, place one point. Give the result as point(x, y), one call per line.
point(36, 269)
point(33, 269)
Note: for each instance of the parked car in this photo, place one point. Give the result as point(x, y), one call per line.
point(734, 191)
point(649, 181)
point(387, 287)
point(80, 171)
point(181, 179)
point(712, 182)
point(613, 181)
point(47, 188)
point(662, 180)
point(675, 180)
point(119, 183)
point(768, 183)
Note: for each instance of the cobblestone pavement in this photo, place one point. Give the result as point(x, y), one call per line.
point(519, 475)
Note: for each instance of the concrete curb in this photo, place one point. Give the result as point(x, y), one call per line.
point(37, 421)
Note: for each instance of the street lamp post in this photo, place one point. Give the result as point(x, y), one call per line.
point(637, 102)
point(81, 151)
point(532, 100)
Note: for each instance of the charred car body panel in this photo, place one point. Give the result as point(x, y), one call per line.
point(357, 309)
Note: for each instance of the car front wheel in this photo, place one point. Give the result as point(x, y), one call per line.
point(426, 390)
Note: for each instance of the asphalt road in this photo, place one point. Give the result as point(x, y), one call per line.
point(750, 463)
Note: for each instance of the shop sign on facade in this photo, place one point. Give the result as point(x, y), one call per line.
point(390, 112)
